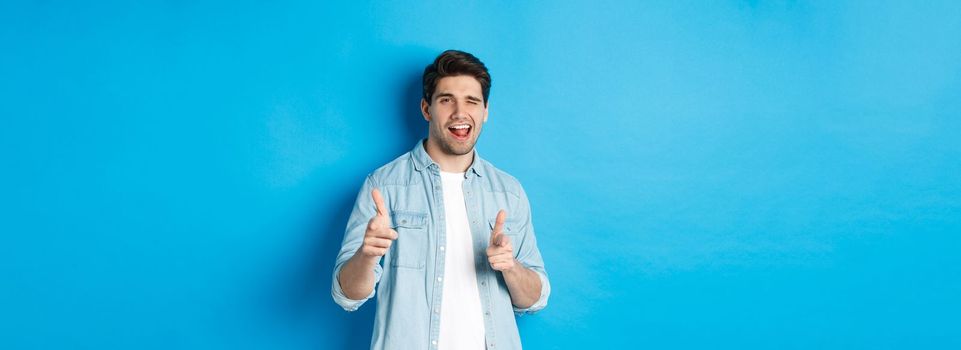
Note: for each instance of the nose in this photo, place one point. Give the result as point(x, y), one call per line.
point(458, 112)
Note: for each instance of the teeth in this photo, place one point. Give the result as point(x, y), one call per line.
point(462, 126)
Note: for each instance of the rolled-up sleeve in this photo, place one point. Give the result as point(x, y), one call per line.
point(528, 254)
point(338, 293)
point(542, 300)
point(364, 209)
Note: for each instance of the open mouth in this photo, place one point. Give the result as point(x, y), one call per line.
point(460, 131)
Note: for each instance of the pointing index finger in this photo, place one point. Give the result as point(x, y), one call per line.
point(499, 222)
point(498, 225)
point(379, 202)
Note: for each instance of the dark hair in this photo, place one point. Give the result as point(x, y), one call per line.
point(453, 63)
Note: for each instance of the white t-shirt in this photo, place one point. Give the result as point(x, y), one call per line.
point(461, 320)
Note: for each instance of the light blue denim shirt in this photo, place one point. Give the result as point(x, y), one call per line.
point(410, 276)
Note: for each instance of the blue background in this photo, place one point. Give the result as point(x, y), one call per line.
point(730, 175)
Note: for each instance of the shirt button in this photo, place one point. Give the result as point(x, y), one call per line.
point(433, 342)
point(436, 311)
point(441, 247)
point(483, 283)
point(440, 279)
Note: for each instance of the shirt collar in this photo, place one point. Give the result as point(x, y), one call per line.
point(422, 159)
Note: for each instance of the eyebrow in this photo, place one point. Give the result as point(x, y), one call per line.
point(447, 94)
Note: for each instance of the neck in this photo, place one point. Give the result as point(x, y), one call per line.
point(450, 163)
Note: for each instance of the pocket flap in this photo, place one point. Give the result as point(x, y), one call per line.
point(509, 226)
point(408, 219)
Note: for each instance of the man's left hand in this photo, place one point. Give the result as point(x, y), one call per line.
point(500, 252)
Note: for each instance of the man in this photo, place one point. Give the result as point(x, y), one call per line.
point(443, 236)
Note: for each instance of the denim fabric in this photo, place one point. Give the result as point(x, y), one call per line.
point(410, 276)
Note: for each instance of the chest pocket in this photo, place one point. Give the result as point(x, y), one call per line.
point(511, 230)
point(410, 248)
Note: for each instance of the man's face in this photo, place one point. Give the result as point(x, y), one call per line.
point(456, 114)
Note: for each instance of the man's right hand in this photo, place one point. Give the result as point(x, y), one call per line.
point(379, 235)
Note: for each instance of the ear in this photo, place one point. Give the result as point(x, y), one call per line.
point(485, 112)
point(424, 109)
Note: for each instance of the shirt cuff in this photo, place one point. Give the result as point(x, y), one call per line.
point(341, 299)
